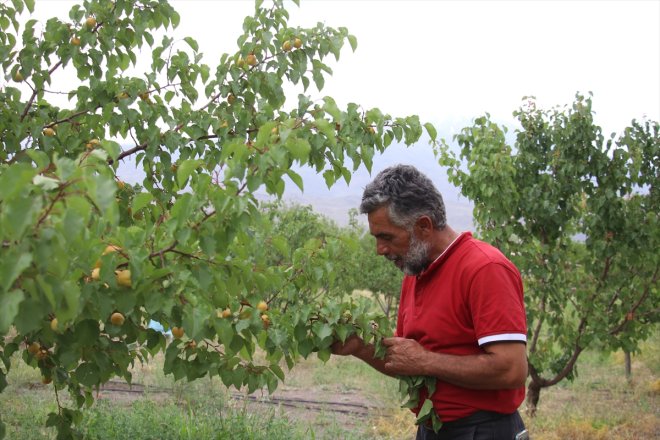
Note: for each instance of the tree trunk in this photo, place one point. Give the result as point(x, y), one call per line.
point(533, 395)
point(628, 364)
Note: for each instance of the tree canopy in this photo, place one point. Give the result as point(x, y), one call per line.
point(87, 260)
point(578, 214)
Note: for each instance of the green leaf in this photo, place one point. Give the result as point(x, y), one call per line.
point(330, 106)
point(295, 177)
point(433, 134)
point(11, 266)
point(45, 183)
point(87, 374)
point(87, 332)
point(305, 347)
point(436, 423)
point(102, 191)
point(353, 42)
point(264, 135)
point(39, 157)
point(65, 167)
point(141, 200)
point(282, 245)
point(18, 5)
point(185, 169)
point(327, 129)
point(324, 354)
point(425, 411)
point(235, 147)
point(342, 332)
point(112, 148)
point(194, 320)
point(329, 177)
point(224, 330)
point(277, 371)
point(322, 330)
point(430, 383)
point(317, 76)
point(175, 18)
point(13, 180)
point(299, 149)
point(192, 43)
point(9, 303)
point(271, 382)
point(181, 209)
point(19, 215)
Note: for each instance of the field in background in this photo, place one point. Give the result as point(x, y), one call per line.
point(600, 404)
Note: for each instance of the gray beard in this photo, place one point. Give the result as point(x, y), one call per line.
point(417, 258)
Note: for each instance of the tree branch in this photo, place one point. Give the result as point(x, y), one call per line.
point(537, 329)
point(618, 328)
point(35, 92)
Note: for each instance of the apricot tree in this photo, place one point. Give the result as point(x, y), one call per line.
point(578, 215)
point(182, 241)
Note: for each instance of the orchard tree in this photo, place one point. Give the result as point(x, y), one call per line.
point(382, 280)
point(578, 214)
point(87, 260)
point(354, 266)
point(290, 228)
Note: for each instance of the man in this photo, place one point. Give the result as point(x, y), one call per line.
point(461, 316)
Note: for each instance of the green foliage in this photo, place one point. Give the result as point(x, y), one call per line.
point(410, 388)
point(383, 280)
point(187, 241)
point(578, 215)
point(351, 263)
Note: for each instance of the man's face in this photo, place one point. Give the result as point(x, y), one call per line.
point(397, 244)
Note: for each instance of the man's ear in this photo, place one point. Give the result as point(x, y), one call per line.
point(424, 226)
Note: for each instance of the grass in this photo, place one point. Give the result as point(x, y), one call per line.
point(147, 419)
point(600, 404)
point(199, 410)
point(342, 374)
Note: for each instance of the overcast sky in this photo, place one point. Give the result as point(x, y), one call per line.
point(455, 60)
point(451, 61)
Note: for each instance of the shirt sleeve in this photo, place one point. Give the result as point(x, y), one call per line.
point(496, 301)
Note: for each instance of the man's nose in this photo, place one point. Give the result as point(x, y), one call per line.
point(381, 248)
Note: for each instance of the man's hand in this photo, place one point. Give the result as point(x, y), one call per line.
point(404, 356)
point(501, 365)
point(353, 345)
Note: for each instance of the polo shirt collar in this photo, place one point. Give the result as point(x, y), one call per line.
point(445, 254)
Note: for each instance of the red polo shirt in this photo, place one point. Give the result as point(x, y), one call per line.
point(469, 296)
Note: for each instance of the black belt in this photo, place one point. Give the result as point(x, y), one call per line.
point(473, 419)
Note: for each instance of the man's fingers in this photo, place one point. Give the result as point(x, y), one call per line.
point(351, 345)
point(388, 342)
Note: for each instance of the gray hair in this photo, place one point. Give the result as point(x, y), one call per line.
point(408, 194)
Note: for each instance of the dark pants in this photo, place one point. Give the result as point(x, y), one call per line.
point(482, 425)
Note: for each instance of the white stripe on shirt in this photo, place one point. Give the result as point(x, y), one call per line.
point(503, 337)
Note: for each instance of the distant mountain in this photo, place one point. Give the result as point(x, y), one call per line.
point(335, 203)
